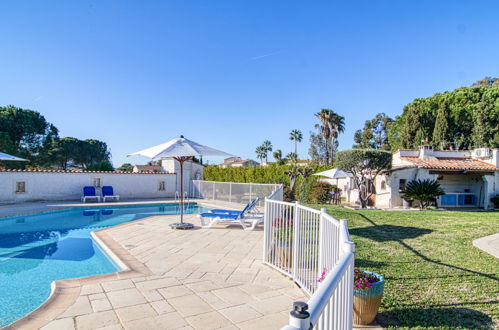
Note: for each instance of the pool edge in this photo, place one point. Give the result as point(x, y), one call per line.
point(64, 293)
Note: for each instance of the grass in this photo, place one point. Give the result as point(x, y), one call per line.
point(435, 277)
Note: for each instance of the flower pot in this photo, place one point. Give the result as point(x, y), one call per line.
point(366, 302)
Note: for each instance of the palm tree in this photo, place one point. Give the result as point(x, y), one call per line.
point(278, 156)
point(324, 127)
point(296, 136)
point(292, 157)
point(267, 146)
point(330, 126)
point(424, 191)
point(261, 153)
point(337, 127)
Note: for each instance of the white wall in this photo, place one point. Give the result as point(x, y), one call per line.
point(69, 185)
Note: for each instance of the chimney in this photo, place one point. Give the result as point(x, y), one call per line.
point(426, 152)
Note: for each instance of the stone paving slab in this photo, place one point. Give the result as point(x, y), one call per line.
point(489, 244)
point(195, 279)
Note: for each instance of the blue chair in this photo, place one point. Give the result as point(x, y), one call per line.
point(89, 194)
point(108, 193)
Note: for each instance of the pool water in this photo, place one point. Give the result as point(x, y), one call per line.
point(39, 248)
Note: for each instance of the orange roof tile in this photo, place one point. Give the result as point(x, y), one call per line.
point(460, 164)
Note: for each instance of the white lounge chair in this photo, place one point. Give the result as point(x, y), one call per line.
point(242, 218)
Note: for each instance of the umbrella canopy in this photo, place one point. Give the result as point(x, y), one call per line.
point(4, 156)
point(180, 147)
point(335, 173)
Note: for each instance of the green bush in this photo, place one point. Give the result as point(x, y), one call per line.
point(259, 174)
point(320, 192)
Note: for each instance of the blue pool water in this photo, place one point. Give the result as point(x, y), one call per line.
point(39, 248)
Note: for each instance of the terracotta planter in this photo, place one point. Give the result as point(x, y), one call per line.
point(366, 302)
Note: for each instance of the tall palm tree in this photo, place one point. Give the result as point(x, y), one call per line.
point(296, 136)
point(267, 146)
point(330, 126)
point(337, 127)
point(261, 153)
point(324, 127)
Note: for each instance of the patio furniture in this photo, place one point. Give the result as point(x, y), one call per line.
point(239, 219)
point(89, 194)
point(108, 193)
point(248, 208)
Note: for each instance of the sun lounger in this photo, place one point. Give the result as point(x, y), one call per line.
point(241, 218)
point(248, 208)
point(89, 194)
point(216, 218)
point(108, 194)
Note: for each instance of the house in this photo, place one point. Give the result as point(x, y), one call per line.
point(469, 178)
point(237, 162)
point(147, 169)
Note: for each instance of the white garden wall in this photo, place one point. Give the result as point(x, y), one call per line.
point(58, 185)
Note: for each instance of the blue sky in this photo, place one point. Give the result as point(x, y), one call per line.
point(230, 74)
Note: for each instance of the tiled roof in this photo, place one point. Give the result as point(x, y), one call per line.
point(459, 164)
point(149, 167)
point(76, 172)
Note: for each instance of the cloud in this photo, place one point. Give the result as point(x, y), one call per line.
point(266, 55)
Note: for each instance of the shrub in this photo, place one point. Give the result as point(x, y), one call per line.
point(423, 191)
point(320, 192)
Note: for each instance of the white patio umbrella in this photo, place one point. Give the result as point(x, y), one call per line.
point(4, 156)
point(180, 149)
point(334, 173)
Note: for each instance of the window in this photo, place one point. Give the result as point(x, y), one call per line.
point(161, 186)
point(20, 187)
point(97, 182)
point(402, 183)
point(383, 185)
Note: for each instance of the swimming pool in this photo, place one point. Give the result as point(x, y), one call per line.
point(39, 248)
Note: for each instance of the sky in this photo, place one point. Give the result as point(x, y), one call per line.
point(231, 74)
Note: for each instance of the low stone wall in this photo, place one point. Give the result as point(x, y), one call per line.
point(60, 185)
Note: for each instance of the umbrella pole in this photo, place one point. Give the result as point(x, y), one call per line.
point(181, 224)
point(182, 191)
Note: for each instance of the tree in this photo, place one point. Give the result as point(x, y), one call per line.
point(293, 174)
point(25, 132)
point(337, 127)
point(292, 157)
point(365, 165)
point(278, 157)
point(261, 153)
point(126, 167)
point(267, 146)
point(375, 133)
point(424, 191)
point(441, 130)
point(486, 82)
point(330, 126)
point(317, 149)
point(471, 113)
point(296, 136)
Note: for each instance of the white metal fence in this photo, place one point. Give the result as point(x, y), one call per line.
point(234, 192)
point(315, 250)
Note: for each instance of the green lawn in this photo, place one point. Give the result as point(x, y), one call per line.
point(435, 277)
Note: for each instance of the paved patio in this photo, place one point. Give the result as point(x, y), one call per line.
point(197, 279)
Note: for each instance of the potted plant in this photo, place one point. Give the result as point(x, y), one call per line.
point(367, 294)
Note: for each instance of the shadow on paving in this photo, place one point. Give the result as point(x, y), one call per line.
point(452, 318)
